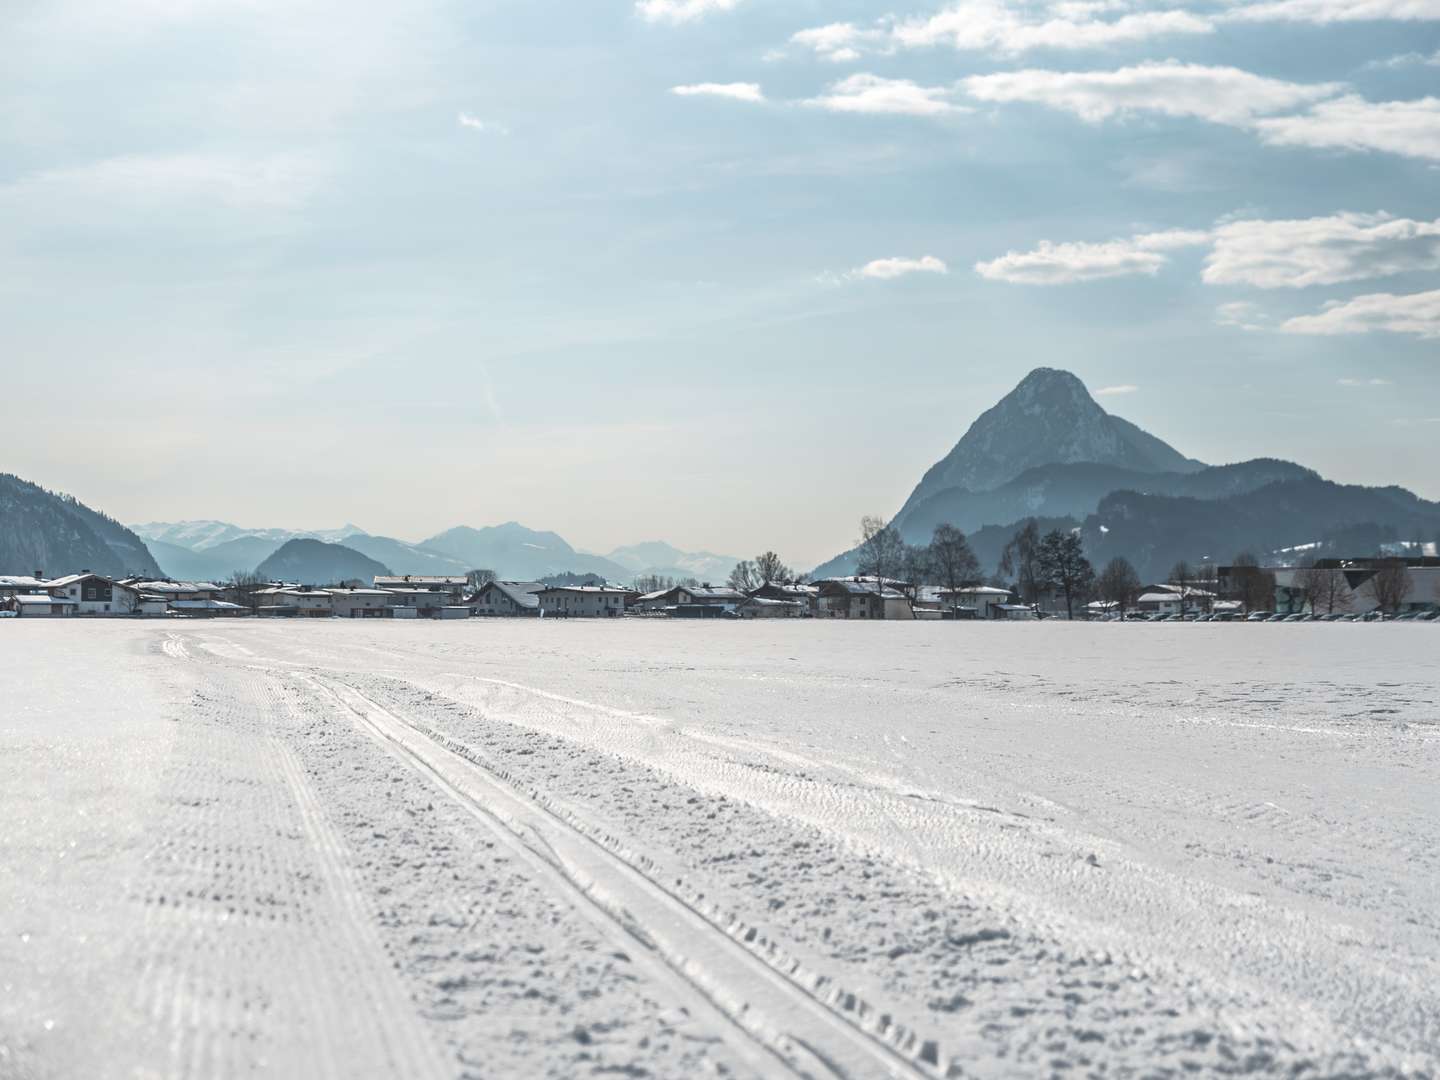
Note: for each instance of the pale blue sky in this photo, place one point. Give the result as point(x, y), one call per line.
point(292, 262)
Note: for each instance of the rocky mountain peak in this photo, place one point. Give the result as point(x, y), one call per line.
point(1048, 419)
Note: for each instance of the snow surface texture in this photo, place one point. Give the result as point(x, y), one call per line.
point(525, 848)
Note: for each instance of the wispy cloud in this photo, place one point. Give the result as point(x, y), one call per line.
point(1222, 95)
point(1242, 315)
point(681, 11)
point(1064, 264)
point(899, 266)
point(1363, 382)
point(866, 93)
point(1335, 11)
point(739, 91)
point(1413, 313)
point(1261, 253)
point(1320, 250)
point(1115, 391)
point(992, 26)
point(1408, 128)
point(475, 123)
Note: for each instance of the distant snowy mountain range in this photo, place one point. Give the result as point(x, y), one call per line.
point(1046, 451)
point(216, 549)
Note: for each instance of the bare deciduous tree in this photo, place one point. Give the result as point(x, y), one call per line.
point(1326, 589)
point(744, 578)
point(769, 568)
point(1390, 584)
point(244, 587)
point(1182, 575)
point(1020, 562)
point(1119, 584)
point(881, 549)
point(952, 560)
point(478, 579)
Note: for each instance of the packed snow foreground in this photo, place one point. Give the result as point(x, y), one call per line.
point(523, 849)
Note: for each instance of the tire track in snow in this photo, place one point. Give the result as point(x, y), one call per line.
point(728, 972)
point(404, 1046)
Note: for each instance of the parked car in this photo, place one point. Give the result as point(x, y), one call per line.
point(1259, 616)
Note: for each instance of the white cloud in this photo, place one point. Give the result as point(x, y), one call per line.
point(1112, 391)
point(1242, 315)
point(1410, 128)
point(1320, 250)
point(835, 41)
point(739, 91)
point(899, 266)
point(1404, 60)
point(994, 26)
point(474, 122)
point(1413, 313)
point(680, 11)
point(1333, 11)
point(1065, 264)
point(1363, 382)
point(1222, 95)
point(865, 93)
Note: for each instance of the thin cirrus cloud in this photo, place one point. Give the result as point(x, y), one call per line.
point(986, 25)
point(1363, 382)
point(681, 11)
point(1295, 254)
point(475, 123)
point(993, 26)
point(740, 91)
point(1242, 315)
point(1262, 253)
point(1068, 263)
point(899, 266)
point(1272, 108)
point(1324, 12)
point(1115, 391)
point(866, 93)
point(1221, 95)
point(1412, 313)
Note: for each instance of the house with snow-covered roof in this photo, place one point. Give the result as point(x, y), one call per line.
point(453, 586)
point(862, 598)
point(506, 598)
point(583, 601)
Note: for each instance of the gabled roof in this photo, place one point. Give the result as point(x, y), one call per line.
point(520, 593)
point(420, 580)
point(709, 592)
point(71, 579)
point(613, 590)
point(975, 590)
point(42, 598)
point(860, 587)
point(20, 581)
point(172, 587)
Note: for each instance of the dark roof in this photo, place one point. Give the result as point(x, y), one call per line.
point(521, 593)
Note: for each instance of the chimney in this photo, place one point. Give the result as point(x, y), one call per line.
point(38, 575)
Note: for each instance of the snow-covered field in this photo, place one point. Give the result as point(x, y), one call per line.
point(673, 849)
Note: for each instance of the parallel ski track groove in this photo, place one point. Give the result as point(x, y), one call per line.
point(833, 1044)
